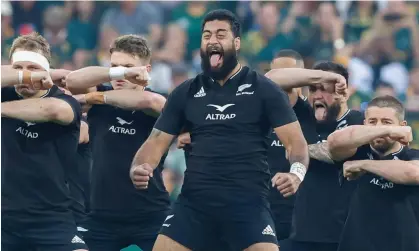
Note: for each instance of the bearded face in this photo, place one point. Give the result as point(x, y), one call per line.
point(218, 50)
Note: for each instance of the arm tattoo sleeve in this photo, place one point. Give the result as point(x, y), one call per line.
point(320, 152)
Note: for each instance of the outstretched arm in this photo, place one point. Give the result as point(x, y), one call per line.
point(136, 99)
point(320, 152)
point(344, 143)
point(39, 110)
point(291, 78)
point(10, 76)
point(86, 79)
point(397, 171)
point(38, 79)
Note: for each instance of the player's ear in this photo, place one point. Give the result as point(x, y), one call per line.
point(148, 67)
point(365, 122)
point(403, 123)
point(237, 43)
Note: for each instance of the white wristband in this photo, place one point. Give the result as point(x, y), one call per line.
point(298, 169)
point(20, 77)
point(117, 73)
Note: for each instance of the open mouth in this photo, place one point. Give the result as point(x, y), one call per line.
point(215, 57)
point(320, 110)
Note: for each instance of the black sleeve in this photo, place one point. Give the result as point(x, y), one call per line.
point(275, 103)
point(362, 153)
point(8, 94)
point(412, 154)
point(303, 108)
point(75, 106)
point(356, 118)
point(172, 119)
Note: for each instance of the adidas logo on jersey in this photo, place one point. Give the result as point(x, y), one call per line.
point(77, 239)
point(201, 93)
point(268, 231)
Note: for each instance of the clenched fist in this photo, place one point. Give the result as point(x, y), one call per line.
point(183, 139)
point(41, 80)
point(286, 183)
point(352, 170)
point(402, 134)
point(58, 76)
point(138, 75)
point(140, 175)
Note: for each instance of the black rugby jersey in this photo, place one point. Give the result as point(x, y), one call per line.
point(282, 208)
point(37, 159)
point(229, 127)
point(322, 201)
point(80, 183)
point(381, 214)
point(115, 136)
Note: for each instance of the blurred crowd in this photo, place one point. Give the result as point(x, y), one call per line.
point(377, 40)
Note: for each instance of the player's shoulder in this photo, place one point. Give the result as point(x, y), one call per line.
point(303, 107)
point(411, 154)
point(354, 117)
point(187, 85)
point(9, 94)
point(260, 79)
point(262, 84)
point(302, 102)
point(55, 92)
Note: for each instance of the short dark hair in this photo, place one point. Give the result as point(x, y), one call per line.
point(224, 15)
point(132, 44)
point(389, 102)
point(32, 42)
point(332, 67)
point(287, 53)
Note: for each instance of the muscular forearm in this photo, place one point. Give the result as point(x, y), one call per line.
point(135, 100)
point(153, 149)
point(397, 171)
point(147, 154)
point(9, 76)
point(38, 110)
point(320, 152)
point(344, 143)
point(289, 78)
point(81, 80)
point(298, 152)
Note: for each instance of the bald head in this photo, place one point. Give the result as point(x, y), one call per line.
point(287, 59)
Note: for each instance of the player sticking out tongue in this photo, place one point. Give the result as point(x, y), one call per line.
point(215, 58)
point(217, 61)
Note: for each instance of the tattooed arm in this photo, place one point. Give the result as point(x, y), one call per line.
point(320, 152)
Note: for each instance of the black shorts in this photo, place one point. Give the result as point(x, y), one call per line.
point(239, 226)
point(57, 235)
point(104, 234)
point(308, 246)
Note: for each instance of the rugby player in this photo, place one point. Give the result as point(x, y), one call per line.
point(322, 198)
point(282, 207)
point(229, 111)
point(40, 127)
point(120, 120)
point(381, 214)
